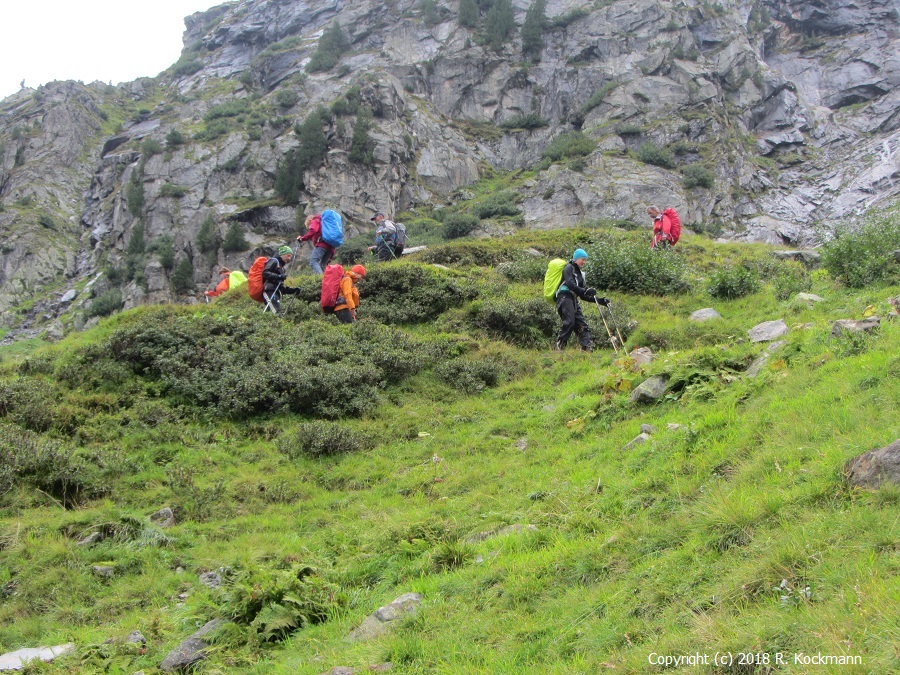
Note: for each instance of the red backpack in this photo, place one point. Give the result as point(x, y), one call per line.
point(255, 280)
point(675, 230)
point(331, 287)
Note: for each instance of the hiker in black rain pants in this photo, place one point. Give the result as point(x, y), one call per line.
point(568, 307)
point(274, 275)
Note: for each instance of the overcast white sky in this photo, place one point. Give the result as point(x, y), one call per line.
point(87, 40)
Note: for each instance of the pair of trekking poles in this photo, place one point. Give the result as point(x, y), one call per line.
point(612, 317)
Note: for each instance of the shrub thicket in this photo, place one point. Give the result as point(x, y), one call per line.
point(569, 144)
point(529, 121)
point(471, 375)
point(526, 323)
point(859, 256)
point(237, 368)
point(468, 13)
point(402, 293)
point(332, 45)
point(790, 278)
point(650, 153)
point(106, 303)
point(458, 225)
point(697, 175)
point(631, 265)
point(499, 24)
point(315, 439)
point(732, 281)
point(497, 204)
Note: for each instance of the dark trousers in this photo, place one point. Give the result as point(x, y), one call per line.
point(569, 311)
point(344, 316)
point(276, 298)
point(384, 252)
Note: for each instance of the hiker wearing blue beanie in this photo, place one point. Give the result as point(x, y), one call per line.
point(568, 307)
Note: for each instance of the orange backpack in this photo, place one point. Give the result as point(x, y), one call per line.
point(254, 278)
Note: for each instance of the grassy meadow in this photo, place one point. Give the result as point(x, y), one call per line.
point(323, 470)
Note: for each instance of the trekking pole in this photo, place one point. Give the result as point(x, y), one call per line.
point(612, 339)
point(615, 323)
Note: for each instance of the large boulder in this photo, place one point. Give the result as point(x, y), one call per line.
point(650, 390)
point(18, 659)
point(768, 331)
point(874, 468)
point(842, 326)
point(191, 650)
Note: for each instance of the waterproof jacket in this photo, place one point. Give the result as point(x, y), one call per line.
point(273, 273)
point(572, 281)
point(220, 288)
point(385, 233)
point(662, 229)
point(314, 234)
point(348, 295)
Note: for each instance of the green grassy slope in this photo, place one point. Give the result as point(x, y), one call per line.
point(735, 532)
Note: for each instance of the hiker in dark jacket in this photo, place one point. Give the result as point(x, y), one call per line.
point(567, 306)
point(274, 275)
point(385, 238)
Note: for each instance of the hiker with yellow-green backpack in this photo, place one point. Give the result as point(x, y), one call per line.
point(566, 292)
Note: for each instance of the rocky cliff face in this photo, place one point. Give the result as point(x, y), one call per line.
point(790, 107)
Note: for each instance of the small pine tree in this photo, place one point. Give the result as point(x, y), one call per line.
point(234, 239)
point(430, 14)
point(468, 13)
point(136, 243)
point(134, 196)
point(331, 47)
point(308, 155)
point(499, 24)
point(165, 250)
point(362, 147)
point(206, 238)
point(183, 276)
point(533, 30)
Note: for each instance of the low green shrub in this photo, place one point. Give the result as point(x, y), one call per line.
point(631, 265)
point(275, 603)
point(497, 204)
point(405, 292)
point(861, 255)
point(315, 439)
point(106, 303)
point(458, 225)
point(697, 175)
point(569, 144)
point(472, 375)
point(522, 322)
point(173, 191)
point(524, 267)
point(530, 121)
point(28, 402)
point(650, 153)
point(733, 281)
point(790, 278)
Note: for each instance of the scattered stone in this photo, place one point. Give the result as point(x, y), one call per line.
point(706, 314)
point(650, 390)
point(68, 296)
point(640, 439)
point(346, 670)
point(378, 623)
point(768, 331)
point(92, 538)
point(105, 571)
point(672, 426)
point(499, 532)
point(758, 364)
point(522, 444)
point(874, 468)
point(775, 346)
point(136, 637)
point(18, 659)
point(211, 579)
point(648, 429)
point(809, 299)
point(642, 356)
point(842, 326)
point(534, 253)
point(191, 650)
point(808, 258)
point(164, 517)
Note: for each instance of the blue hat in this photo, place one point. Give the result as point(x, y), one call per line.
point(579, 253)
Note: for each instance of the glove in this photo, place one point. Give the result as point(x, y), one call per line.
point(603, 301)
point(590, 293)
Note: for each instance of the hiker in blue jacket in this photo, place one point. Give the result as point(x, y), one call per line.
point(568, 307)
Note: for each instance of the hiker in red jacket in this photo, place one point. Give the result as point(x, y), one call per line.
point(322, 252)
point(666, 227)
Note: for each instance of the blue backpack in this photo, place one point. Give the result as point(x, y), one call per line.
point(332, 228)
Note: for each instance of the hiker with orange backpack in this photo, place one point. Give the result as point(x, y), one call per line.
point(666, 227)
point(347, 300)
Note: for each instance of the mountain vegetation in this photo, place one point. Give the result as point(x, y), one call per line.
point(286, 477)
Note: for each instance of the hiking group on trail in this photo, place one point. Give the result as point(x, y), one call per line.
point(564, 281)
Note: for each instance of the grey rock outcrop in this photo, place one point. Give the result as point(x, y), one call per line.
point(842, 326)
point(874, 468)
point(706, 314)
point(768, 331)
point(20, 658)
point(642, 356)
point(822, 114)
point(191, 650)
point(379, 622)
point(650, 390)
